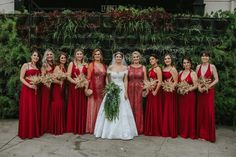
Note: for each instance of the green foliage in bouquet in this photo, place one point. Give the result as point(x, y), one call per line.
point(112, 101)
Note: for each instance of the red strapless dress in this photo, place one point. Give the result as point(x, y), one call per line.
point(29, 110)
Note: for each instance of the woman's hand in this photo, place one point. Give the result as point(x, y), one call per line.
point(33, 87)
point(126, 96)
point(154, 93)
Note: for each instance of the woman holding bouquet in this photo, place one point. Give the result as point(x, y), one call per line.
point(187, 100)
point(208, 77)
point(57, 110)
point(47, 71)
point(29, 109)
point(154, 111)
point(136, 76)
point(96, 77)
point(170, 80)
point(120, 123)
point(77, 101)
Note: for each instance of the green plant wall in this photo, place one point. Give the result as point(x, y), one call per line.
point(149, 30)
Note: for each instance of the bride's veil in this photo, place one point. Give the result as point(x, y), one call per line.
point(114, 58)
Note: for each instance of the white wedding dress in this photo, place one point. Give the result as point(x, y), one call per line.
point(123, 127)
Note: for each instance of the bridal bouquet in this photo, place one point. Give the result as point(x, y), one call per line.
point(167, 86)
point(48, 79)
point(183, 87)
point(112, 101)
point(81, 81)
point(204, 83)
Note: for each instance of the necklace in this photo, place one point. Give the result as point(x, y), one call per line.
point(33, 66)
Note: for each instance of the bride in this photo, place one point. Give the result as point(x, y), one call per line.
point(124, 126)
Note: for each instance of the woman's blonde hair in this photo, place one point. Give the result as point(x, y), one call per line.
point(136, 53)
point(44, 60)
point(77, 50)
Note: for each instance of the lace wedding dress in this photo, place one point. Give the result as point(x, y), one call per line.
point(123, 127)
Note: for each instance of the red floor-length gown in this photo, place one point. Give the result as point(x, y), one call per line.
point(77, 105)
point(57, 111)
point(206, 111)
point(170, 110)
point(153, 111)
point(135, 88)
point(97, 84)
point(29, 110)
point(45, 105)
point(187, 111)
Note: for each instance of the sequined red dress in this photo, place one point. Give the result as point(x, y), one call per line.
point(97, 84)
point(135, 88)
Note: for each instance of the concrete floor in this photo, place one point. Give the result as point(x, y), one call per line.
point(69, 145)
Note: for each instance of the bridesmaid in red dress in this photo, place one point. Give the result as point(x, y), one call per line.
point(205, 108)
point(153, 111)
point(77, 101)
point(170, 75)
point(136, 76)
point(96, 77)
point(29, 100)
point(57, 110)
point(187, 102)
point(47, 68)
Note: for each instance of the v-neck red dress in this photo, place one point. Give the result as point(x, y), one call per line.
point(206, 110)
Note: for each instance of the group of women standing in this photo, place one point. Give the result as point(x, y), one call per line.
point(166, 113)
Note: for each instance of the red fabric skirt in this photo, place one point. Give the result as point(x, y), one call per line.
point(187, 115)
point(206, 116)
point(153, 115)
point(76, 110)
point(57, 112)
point(29, 112)
point(169, 115)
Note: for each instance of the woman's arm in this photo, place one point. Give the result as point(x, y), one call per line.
point(22, 77)
point(145, 73)
point(43, 70)
point(57, 70)
point(126, 83)
point(174, 74)
point(159, 76)
point(69, 71)
point(215, 74)
point(89, 74)
point(195, 83)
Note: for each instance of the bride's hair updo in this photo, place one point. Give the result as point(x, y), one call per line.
point(118, 52)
